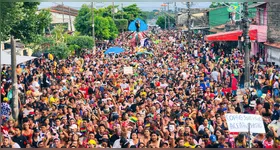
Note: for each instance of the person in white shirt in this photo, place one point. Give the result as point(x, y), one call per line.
point(206, 125)
point(215, 75)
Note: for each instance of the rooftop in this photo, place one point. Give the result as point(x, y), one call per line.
point(276, 45)
point(61, 9)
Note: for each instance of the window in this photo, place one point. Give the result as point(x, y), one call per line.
point(261, 17)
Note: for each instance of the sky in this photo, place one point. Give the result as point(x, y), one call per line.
point(146, 6)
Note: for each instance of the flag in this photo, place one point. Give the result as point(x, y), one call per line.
point(133, 119)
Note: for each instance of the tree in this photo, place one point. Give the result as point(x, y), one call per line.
point(21, 20)
point(121, 24)
point(11, 15)
point(78, 43)
point(132, 12)
point(33, 24)
point(102, 28)
point(105, 28)
point(83, 22)
point(60, 50)
point(42, 43)
point(59, 33)
point(113, 28)
point(161, 21)
point(107, 11)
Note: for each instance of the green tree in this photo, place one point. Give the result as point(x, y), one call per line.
point(132, 12)
point(83, 22)
point(79, 43)
point(60, 50)
point(107, 11)
point(21, 20)
point(121, 24)
point(113, 28)
point(11, 14)
point(102, 28)
point(161, 21)
point(59, 34)
point(42, 43)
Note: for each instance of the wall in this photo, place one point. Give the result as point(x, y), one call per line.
point(273, 22)
point(264, 7)
point(273, 55)
point(254, 48)
point(58, 18)
point(218, 16)
point(262, 32)
point(2, 45)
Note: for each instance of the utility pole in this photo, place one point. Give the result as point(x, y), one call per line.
point(168, 15)
point(165, 21)
point(122, 10)
point(70, 21)
point(113, 10)
point(15, 109)
point(93, 33)
point(176, 14)
point(246, 44)
point(63, 12)
point(189, 23)
point(122, 16)
point(240, 26)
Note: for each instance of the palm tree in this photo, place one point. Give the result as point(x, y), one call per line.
point(58, 33)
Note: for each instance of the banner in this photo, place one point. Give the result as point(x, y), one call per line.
point(240, 123)
point(128, 70)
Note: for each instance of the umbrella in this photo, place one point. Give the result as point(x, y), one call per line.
point(143, 25)
point(115, 50)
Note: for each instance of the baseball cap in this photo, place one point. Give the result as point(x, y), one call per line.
point(213, 138)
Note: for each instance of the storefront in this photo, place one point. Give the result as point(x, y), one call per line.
point(257, 33)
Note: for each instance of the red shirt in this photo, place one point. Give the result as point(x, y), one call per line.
point(4, 129)
point(234, 84)
point(267, 144)
point(2, 90)
point(85, 91)
point(226, 90)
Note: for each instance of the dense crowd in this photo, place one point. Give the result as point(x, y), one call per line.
point(176, 97)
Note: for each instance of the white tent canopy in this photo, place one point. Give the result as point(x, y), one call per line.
point(7, 60)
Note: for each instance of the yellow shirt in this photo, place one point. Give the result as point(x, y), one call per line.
point(187, 144)
point(53, 100)
point(50, 57)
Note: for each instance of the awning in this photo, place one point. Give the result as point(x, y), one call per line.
point(6, 58)
point(230, 36)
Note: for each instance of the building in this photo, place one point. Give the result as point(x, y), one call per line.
point(272, 46)
point(221, 20)
point(21, 50)
point(232, 31)
point(63, 15)
point(259, 23)
point(199, 20)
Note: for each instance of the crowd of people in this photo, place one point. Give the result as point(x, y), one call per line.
point(177, 97)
